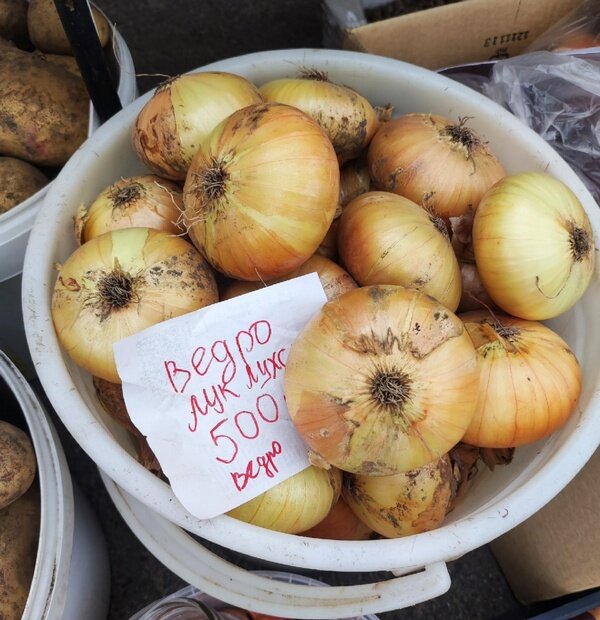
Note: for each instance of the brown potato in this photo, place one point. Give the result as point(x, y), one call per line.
point(18, 181)
point(46, 30)
point(19, 533)
point(13, 21)
point(43, 109)
point(17, 463)
point(6, 43)
point(61, 60)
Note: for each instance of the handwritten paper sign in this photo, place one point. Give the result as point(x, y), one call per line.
point(206, 389)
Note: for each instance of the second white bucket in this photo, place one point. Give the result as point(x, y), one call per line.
point(71, 578)
point(191, 561)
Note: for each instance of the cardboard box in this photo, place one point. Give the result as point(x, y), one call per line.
point(557, 550)
point(453, 34)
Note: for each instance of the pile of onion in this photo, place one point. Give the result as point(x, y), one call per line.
point(406, 221)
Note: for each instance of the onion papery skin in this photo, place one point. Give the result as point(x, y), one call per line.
point(181, 113)
point(340, 524)
point(334, 279)
point(530, 380)
point(382, 380)
point(295, 504)
point(402, 504)
point(534, 246)
point(384, 238)
point(347, 117)
point(416, 156)
point(145, 201)
point(261, 192)
point(166, 277)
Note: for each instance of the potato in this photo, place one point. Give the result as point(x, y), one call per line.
point(19, 533)
point(17, 463)
point(46, 30)
point(43, 109)
point(13, 21)
point(18, 181)
point(6, 43)
point(61, 60)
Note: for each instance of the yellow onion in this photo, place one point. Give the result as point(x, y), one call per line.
point(111, 398)
point(402, 504)
point(473, 294)
point(340, 524)
point(146, 201)
point(261, 192)
point(117, 284)
point(530, 380)
point(346, 116)
point(181, 113)
point(382, 380)
point(354, 180)
point(434, 161)
point(534, 245)
point(296, 504)
point(384, 238)
point(334, 279)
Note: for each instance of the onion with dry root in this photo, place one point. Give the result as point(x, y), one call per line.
point(182, 112)
point(295, 504)
point(261, 192)
point(433, 161)
point(402, 504)
point(382, 380)
point(147, 201)
point(530, 380)
point(346, 116)
point(384, 238)
point(120, 283)
point(334, 279)
point(534, 245)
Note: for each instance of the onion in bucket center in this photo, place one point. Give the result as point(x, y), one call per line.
point(261, 192)
point(382, 380)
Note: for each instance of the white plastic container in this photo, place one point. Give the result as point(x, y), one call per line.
point(71, 578)
point(496, 501)
point(185, 601)
point(16, 224)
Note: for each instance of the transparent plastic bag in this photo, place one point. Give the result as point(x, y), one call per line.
point(579, 29)
point(558, 96)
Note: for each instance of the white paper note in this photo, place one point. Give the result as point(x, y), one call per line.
point(206, 389)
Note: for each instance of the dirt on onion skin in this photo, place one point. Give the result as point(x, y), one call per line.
point(418, 507)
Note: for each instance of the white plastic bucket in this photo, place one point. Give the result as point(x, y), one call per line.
point(71, 579)
point(496, 502)
point(256, 590)
point(16, 224)
point(183, 600)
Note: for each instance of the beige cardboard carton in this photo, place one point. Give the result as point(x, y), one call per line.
point(463, 32)
point(557, 550)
